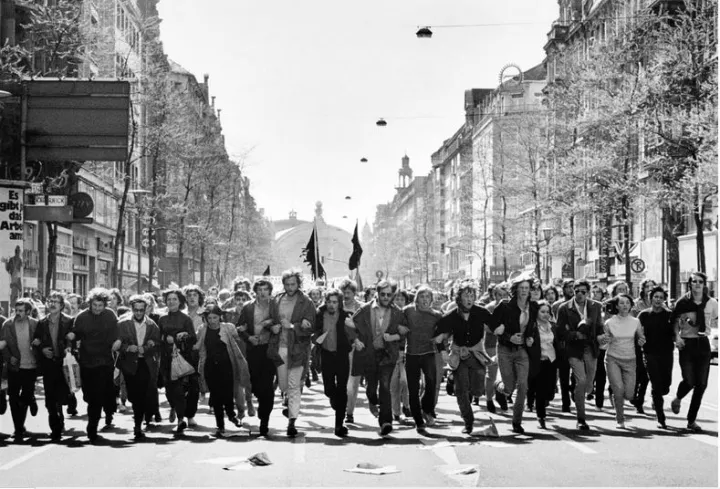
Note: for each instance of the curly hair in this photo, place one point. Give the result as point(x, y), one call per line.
point(118, 296)
point(293, 272)
point(643, 285)
point(24, 301)
point(262, 282)
point(348, 284)
point(178, 293)
point(98, 294)
point(615, 285)
point(195, 288)
point(464, 286)
point(54, 294)
point(334, 293)
point(138, 299)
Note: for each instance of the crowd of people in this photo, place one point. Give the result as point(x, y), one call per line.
point(510, 344)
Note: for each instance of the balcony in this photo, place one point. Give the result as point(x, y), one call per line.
point(558, 31)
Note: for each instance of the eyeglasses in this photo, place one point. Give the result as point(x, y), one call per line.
point(697, 281)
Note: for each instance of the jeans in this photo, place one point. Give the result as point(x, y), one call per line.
point(399, 393)
point(262, 376)
point(414, 366)
point(543, 386)
point(583, 370)
point(659, 369)
point(491, 376)
point(335, 372)
point(290, 382)
point(219, 379)
point(695, 367)
point(463, 392)
point(137, 391)
point(378, 390)
point(21, 391)
point(353, 386)
point(514, 366)
point(621, 374)
point(57, 393)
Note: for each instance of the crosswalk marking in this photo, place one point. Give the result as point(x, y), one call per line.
point(574, 444)
point(26, 457)
point(707, 439)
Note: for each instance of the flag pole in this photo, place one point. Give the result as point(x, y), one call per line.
point(317, 249)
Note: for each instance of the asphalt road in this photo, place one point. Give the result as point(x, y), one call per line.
point(560, 456)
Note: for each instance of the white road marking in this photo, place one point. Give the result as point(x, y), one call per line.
point(26, 457)
point(707, 439)
point(446, 454)
point(222, 460)
point(299, 449)
point(572, 443)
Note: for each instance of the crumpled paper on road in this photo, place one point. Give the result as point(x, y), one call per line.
point(368, 468)
point(258, 460)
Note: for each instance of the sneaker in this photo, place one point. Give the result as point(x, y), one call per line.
point(386, 429)
point(490, 406)
point(694, 427)
point(502, 400)
point(675, 406)
point(468, 428)
point(517, 428)
point(349, 418)
point(341, 431)
point(220, 433)
point(541, 424)
point(375, 410)
point(173, 416)
point(34, 408)
point(236, 421)
point(582, 425)
point(191, 422)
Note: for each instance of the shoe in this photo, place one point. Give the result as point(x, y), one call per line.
point(158, 418)
point(173, 416)
point(638, 406)
point(349, 418)
point(530, 408)
point(501, 400)
point(286, 412)
point(315, 377)
point(251, 410)
point(264, 429)
point(694, 427)
point(429, 419)
point(396, 418)
point(407, 412)
point(236, 421)
point(582, 425)
point(476, 400)
point(661, 425)
point(33, 409)
point(517, 428)
point(386, 429)
point(341, 431)
point(566, 409)
point(19, 436)
point(541, 423)
point(675, 406)
point(181, 428)
point(307, 382)
point(468, 428)
point(191, 422)
point(375, 410)
point(421, 430)
point(620, 425)
point(56, 436)
point(490, 406)
point(291, 430)
point(138, 434)
point(220, 433)
point(108, 420)
point(589, 397)
point(3, 402)
point(91, 431)
point(72, 411)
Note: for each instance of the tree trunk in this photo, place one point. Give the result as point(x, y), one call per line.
point(672, 228)
point(626, 242)
point(572, 246)
point(504, 238)
point(232, 227)
point(698, 215)
point(485, 243)
point(50, 280)
point(181, 252)
point(202, 265)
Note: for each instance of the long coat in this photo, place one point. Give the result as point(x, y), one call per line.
point(365, 359)
point(246, 320)
point(298, 338)
point(128, 361)
point(568, 321)
point(240, 370)
point(9, 334)
point(42, 333)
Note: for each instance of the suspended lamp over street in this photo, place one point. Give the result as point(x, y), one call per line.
point(347, 197)
point(424, 33)
point(381, 122)
point(344, 217)
point(363, 160)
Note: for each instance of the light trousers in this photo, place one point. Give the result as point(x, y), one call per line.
point(583, 370)
point(399, 393)
point(290, 381)
point(621, 374)
point(353, 386)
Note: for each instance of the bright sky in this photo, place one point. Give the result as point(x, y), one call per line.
point(301, 84)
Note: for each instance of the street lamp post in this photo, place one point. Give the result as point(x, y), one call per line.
point(470, 259)
point(547, 235)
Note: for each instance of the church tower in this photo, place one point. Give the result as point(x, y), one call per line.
point(404, 173)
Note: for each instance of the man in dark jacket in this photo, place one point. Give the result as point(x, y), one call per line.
point(96, 329)
point(376, 340)
point(49, 342)
point(332, 339)
point(579, 323)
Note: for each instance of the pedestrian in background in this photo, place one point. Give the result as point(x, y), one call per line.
point(567, 382)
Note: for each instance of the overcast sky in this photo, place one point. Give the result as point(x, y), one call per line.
point(301, 84)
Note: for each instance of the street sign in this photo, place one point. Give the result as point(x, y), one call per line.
point(637, 265)
point(82, 204)
point(48, 213)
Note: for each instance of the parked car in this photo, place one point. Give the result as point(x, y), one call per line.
point(714, 342)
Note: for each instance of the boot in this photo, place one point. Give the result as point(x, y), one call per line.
point(291, 430)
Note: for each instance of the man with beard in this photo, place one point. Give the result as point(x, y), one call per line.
point(379, 327)
point(331, 338)
point(50, 344)
point(96, 329)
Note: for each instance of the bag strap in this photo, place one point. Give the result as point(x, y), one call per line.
point(115, 355)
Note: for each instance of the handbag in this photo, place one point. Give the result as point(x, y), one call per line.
point(179, 367)
point(71, 372)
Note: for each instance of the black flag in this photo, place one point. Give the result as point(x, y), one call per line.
point(354, 261)
point(311, 256)
point(266, 273)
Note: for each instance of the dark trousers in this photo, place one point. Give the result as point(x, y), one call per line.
point(183, 395)
point(463, 386)
point(21, 391)
point(262, 377)
point(219, 379)
point(695, 367)
point(567, 386)
point(641, 377)
point(659, 370)
point(138, 389)
point(543, 386)
point(414, 365)
point(600, 380)
point(378, 380)
point(97, 388)
point(335, 372)
point(57, 393)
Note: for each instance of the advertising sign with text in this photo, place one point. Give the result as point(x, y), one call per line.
point(11, 245)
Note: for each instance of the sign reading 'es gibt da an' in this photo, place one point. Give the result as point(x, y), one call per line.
point(11, 244)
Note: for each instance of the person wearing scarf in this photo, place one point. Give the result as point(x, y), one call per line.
point(466, 324)
point(694, 314)
point(224, 372)
point(140, 361)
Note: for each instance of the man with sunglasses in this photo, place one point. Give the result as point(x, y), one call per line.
point(579, 322)
point(694, 314)
point(378, 329)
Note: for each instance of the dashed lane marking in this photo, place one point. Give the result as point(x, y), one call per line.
point(574, 444)
point(26, 457)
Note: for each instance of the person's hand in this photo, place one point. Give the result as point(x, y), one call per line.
point(150, 344)
point(499, 330)
point(349, 323)
point(170, 340)
point(286, 324)
point(680, 343)
point(602, 339)
point(641, 341)
point(359, 345)
point(439, 338)
point(116, 345)
point(14, 361)
point(48, 353)
point(3, 344)
point(388, 337)
point(464, 351)
point(70, 336)
point(306, 324)
point(580, 336)
point(182, 335)
point(529, 341)
point(241, 328)
point(253, 339)
point(403, 330)
point(275, 329)
point(36, 342)
point(132, 349)
point(516, 339)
